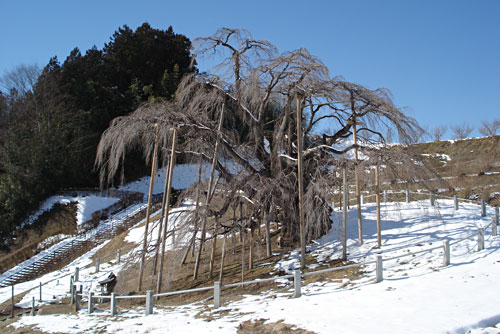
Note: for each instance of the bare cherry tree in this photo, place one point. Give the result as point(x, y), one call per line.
point(490, 128)
point(438, 132)
point(260, 92)
point(461, 131)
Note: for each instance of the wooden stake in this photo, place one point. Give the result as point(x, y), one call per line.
point(167, 209)
point(150, 195)
point(207, 200)
point(300, 180)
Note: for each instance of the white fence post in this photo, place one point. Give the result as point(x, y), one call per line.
point(362, 199)
point(77, 274)
point(407, 195)
point(455, 199)
point(379, 269)
point(113, 304)
point(97, 265)
point(71, 284)
point(118, 256)
point(216, 294)
point(149, 302)
point(432, 199)
point(483, 208)
point(446, 255)
point(297, 283)
point(385, 196)
point(90, 307)
point(40, 286)
point(493, 227)
point(480, 239)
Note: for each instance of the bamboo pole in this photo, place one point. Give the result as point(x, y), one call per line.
point(150, 195)
point(210, 181)
point(300, 181)
point(167, 209)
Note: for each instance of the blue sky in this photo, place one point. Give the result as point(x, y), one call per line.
point(439, 58)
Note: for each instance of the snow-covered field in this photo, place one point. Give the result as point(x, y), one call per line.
point(417, 295)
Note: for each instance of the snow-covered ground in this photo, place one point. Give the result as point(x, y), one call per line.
point(86, 206)
point(417, 295)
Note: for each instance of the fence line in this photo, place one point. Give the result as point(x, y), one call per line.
point(297, 276)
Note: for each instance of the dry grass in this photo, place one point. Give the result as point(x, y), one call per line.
point(260, 326)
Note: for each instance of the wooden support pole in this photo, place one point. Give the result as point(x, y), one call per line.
point(97, 266)
point(33, 305)
point(269, 252)
point(207, 200)
point(118, 256)
point(300, 173)
point(148, 210)
point(243, 255)
point(356, 175)
point(214, 249)
point(455, 201)
point(192, 243)
point(167, 210)
point(483, 208)
point(344, 214)
point(40, 287)
point(377, 200)
point(221, 271)
point(250, 249)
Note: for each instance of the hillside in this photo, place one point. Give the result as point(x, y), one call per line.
point(406, 227)
point(471, 167)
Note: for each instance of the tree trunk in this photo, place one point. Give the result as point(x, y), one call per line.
point(250, 248)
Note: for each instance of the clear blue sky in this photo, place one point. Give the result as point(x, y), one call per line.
point(439, 58)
